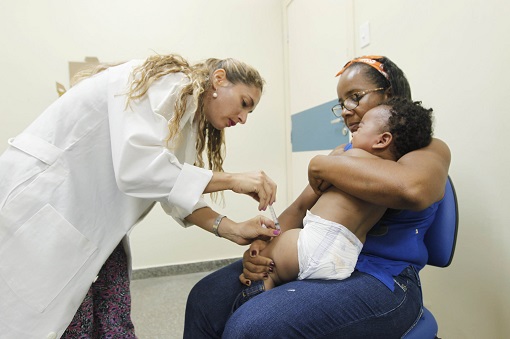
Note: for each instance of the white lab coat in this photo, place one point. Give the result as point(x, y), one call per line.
point(75, 182)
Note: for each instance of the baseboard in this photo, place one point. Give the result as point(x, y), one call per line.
point(195, 267)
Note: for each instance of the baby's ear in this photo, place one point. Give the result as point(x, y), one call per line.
point(383, 141)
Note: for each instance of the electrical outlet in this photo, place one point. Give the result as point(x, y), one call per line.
point(364, 34)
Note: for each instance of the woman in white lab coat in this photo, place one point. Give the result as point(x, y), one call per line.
point(78, 178)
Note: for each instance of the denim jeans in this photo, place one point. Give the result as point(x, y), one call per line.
point(357, 307)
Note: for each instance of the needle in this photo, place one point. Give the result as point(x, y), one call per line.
point(275, 219)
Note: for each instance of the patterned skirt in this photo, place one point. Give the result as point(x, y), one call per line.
point(106, 310)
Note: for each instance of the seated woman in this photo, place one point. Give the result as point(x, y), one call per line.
point(382, 297)
point(335, 229)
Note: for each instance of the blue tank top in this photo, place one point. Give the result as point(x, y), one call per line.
point(396, 242)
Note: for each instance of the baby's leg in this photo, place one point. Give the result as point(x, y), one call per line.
point(283, 251)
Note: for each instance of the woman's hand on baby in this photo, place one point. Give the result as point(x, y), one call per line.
point(255, 267)
point(243, 233)
point(317, 183)
point(257, 185)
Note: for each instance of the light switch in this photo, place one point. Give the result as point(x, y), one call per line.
point(364, 34)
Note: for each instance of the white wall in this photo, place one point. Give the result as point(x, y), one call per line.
point(455, 54)
point(315, 52)
point(39, 38)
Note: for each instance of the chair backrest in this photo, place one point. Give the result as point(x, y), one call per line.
point(442, 234)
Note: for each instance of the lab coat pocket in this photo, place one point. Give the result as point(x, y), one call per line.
point(22, 163)
point(42, 257)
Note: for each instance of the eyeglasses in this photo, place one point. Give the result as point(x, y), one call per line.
point(352, 101)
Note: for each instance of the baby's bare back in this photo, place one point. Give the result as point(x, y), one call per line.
point(357, 215)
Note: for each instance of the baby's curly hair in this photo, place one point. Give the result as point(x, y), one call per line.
point(410, 124)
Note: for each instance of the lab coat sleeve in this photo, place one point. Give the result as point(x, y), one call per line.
point(143, 164)
point(178, 213)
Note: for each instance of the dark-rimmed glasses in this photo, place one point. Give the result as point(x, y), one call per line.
point(352, 101)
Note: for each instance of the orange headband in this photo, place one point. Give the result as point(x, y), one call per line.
point(370, 60)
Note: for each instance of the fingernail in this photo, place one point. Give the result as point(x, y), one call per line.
point(271, 269)
point(266, 275)
point(276, 232)
point(272, 264)
point(253, 253)
point(248, 282)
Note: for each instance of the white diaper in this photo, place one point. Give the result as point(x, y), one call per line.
point(326, 249)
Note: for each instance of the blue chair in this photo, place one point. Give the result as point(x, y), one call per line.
point(440, 241)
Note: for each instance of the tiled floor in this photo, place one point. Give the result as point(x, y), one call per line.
point(158, 305)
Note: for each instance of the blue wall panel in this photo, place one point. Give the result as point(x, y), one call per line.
point(312, 129)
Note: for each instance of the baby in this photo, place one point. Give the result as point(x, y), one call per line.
point(334, 230)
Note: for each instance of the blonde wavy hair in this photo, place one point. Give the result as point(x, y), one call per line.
point(200, 75)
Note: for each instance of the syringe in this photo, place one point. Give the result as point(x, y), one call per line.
point(275, 219)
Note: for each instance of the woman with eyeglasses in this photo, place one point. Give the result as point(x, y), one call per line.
point(382, 298)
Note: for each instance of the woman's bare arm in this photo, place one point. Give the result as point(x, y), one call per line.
point(242, 233)
point(414, 182)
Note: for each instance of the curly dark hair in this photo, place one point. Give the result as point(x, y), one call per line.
point(410, 124)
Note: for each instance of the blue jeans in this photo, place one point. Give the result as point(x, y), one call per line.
point(357, 307)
